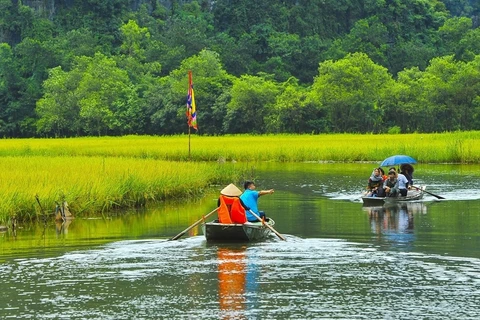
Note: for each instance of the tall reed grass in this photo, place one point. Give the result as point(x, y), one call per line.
point(98, 174)
point(95, 185)
point(457, 147)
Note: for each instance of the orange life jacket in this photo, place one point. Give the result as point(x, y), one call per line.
point(231, 210)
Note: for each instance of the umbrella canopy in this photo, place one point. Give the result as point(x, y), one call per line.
point(396, 160)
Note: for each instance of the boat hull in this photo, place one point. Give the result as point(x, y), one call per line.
point(412, 195)
point(251, 231)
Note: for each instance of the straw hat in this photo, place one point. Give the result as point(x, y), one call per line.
point(231, 190)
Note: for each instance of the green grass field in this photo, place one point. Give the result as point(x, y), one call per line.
point(98, 174)
point(459, 147)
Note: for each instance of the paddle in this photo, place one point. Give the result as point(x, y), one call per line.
point(432, 194)
point(267, 225)
point(193, 225)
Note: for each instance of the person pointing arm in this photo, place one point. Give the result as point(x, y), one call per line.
point(250, 198)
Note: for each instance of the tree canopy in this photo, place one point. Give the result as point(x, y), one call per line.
point(115, 67)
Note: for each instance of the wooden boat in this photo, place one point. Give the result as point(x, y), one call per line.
point(236, 232)
point(412, 195)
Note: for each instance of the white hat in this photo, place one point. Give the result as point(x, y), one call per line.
point(231, 190)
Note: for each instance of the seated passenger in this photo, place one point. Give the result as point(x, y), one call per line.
point(390, 186)
point(231, 209)
point(402, 185)
point(381, 191)
point(374, 183)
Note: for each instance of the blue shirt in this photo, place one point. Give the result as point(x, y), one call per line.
point(250, 198)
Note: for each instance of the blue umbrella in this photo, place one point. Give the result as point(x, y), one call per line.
point(396, 160)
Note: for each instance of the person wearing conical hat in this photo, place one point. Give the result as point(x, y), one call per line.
point(231, 190)
point(230, 207)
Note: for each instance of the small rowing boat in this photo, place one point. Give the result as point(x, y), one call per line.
point(236, 232)
point(231, 224)
point(412, 195)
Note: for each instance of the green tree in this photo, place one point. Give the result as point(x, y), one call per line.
point(141, 68)
point(102, 17)
point(466, 8)
point(253, 99)
point(452, 31)
point(442, 98)
point(404, 103)
point(75, 43)
point(369, 36)
point(106, 100)
point(349, 90)
point(284, 48)
point(168, 99)
point(10, 84)
point(291, 112)
point(451, 87)
point(59, 110)
point(134, 40)
point(185, 34)
point(16, 21)
point(469, 45)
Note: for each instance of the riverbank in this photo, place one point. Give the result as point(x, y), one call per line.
point(99, 185)
point(96, 175)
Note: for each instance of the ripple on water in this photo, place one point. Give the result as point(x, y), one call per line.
point(293, 279)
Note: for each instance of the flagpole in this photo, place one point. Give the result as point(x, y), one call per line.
point(189, 110)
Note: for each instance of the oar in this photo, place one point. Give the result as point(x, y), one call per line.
point(193, 225)
point(267, 225)
point(432, 194)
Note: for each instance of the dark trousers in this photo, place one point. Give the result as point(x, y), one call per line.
point(381, 192)
point(261, 215)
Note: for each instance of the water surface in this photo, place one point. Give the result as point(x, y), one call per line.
point(341, 260)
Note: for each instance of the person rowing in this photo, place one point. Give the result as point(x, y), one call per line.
point(250, 198)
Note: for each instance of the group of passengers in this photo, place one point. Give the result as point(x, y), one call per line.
point(393, 185)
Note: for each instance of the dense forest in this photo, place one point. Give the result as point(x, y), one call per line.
point(116, 67)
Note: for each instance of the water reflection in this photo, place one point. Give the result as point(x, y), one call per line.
point(237, 281)
point(188, 279)
point(395, 222)
point(232, 273)
point(61, 227)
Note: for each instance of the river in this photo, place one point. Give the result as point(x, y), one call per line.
point(340, 259)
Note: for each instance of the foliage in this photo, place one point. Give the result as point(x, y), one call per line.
point(252, 100)
point(98, 174)
point(94, 97)
point(426, 148)
point(349, 87)
point(118, 67)
point(168, 99)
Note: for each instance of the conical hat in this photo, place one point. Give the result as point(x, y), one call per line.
point(231, 190)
